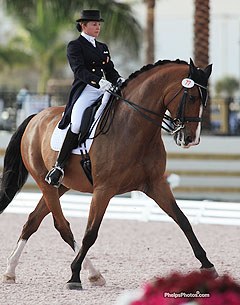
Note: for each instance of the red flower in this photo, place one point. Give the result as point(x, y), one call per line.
point(202, 288)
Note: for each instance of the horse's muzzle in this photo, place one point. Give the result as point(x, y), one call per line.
point(185, 140)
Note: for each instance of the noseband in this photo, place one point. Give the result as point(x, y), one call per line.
point(174, 125)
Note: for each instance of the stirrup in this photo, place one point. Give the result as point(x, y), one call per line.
point(55, 176)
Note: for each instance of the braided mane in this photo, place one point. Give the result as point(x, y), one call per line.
point(150, 66)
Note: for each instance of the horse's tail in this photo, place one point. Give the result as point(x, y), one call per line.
point(14, 173)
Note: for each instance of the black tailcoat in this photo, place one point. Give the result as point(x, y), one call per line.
point(89, 64)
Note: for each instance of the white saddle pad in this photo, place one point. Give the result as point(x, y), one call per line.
point(58, 137)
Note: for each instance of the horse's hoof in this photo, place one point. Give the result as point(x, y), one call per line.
point(211, 270)
point(74, 286)
point(9, 279)
point(97, 280)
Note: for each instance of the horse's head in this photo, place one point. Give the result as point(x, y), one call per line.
point(185, 104)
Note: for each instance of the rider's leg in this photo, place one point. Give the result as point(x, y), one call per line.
point(55, 175)
point(105, 99)
point(87, 98)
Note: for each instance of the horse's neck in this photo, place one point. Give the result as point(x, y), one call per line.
point(135, 121)
point(147, 92)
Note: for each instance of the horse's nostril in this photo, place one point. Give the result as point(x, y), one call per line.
point(188, 140)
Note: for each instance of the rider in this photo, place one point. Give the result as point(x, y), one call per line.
point(94, 74)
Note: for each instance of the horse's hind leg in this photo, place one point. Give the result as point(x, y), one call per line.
point(62, 225)
point(31, 226)
point(163, 196)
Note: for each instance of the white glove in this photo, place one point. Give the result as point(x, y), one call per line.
point(120, 80)
point(105, 84)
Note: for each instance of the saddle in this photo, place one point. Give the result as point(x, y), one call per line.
point(87, 120)
point(85, 130)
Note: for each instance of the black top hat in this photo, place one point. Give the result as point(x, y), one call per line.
point(90, 15)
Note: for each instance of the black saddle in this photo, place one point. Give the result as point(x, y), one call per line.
point(85, 130)
point(87, 120)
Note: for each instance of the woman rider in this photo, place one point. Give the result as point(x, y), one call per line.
point(94, 73)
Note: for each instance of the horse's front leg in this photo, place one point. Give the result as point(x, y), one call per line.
point(94, 276)
point(161, 193)
point(97, 209)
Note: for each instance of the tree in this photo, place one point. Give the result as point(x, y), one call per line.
point(46, 21)
point(201, 33)
point(227, 86)
point(201, 44)
point(150, 56)
point(10, 56)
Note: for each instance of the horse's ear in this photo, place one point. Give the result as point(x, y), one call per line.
point(191, 62)
point(192, 67)
point(208, 70)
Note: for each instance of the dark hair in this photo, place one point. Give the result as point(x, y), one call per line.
point(79, 28)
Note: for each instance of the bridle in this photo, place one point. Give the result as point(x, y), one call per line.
point(174, 125)
point(169, 124)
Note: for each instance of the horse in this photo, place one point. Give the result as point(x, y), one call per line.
point(130, 156)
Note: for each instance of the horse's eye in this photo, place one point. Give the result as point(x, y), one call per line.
point(192, 98)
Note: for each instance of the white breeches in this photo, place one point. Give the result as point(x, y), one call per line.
point(86, 99)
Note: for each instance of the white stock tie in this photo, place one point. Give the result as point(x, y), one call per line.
point(92, 40)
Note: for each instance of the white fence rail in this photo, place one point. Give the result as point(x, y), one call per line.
point(138, 207)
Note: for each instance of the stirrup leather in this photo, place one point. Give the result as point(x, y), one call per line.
point(55, 176)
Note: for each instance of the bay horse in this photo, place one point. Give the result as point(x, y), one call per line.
point(129, 157)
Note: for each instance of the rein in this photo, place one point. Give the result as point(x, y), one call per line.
point(173, 125)
point(140, 110)
point(169, 124)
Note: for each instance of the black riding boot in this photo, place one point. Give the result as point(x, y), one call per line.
point(56, 174)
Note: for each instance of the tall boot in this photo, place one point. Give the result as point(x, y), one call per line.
point(56, 174)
